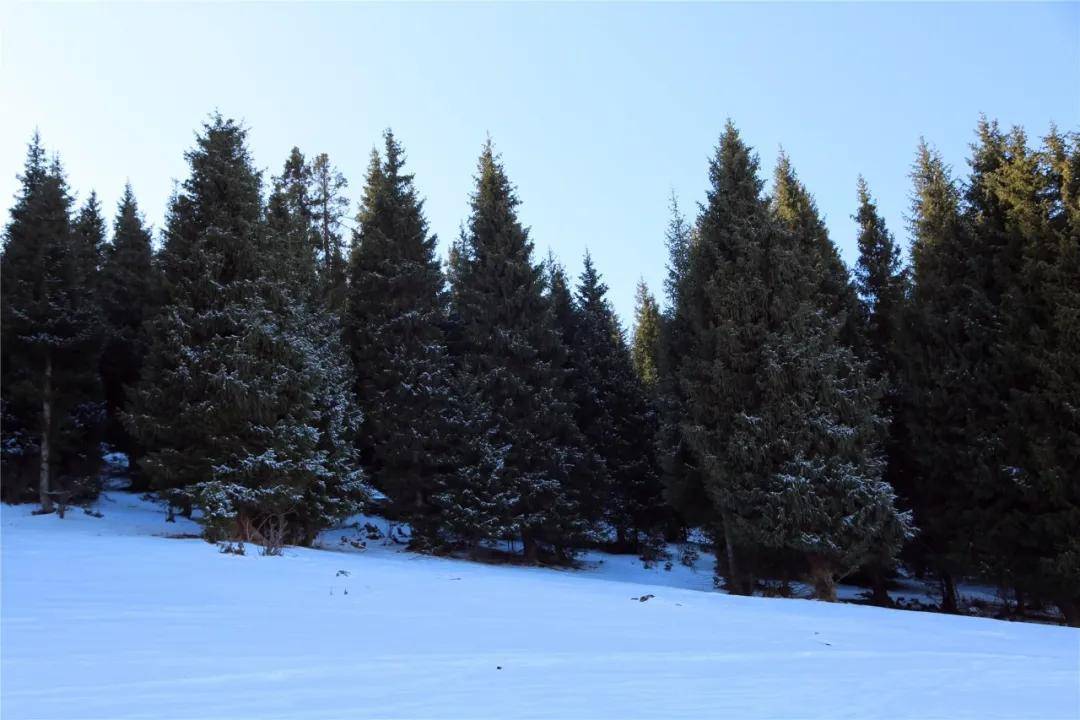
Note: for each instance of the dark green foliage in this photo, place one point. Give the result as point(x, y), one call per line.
point(645, 348)
point(305, 211)
point(328, 207)
point(684, 488)
point(50, 337)
point(679, 240)
point(394, 322)
point(243, 404)
point(797, 212)
point(182, 412)
point(561, 299)
point(290, 222)
point(881, 282)
point(130, 293)
point(780, 414)
point(992, 368)
point(774, 403)
point(579, 385)
point(948, 401)
point(1050, 277)
point(882, 286)
point(614, 415)
point(507, 341)
point(1019, 213)
point(89, 230)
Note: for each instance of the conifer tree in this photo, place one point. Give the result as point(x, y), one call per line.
point(684, 489)
point(562, 304)
point(89, 229)
point(1029, 276)
point(50, 338)
point(394, 326)
point(579, 385)
point(329, 207)
point(130, 293)
point(290, 222)
point(881, 282)
point(882, 286)
point(797, 212)
point(780, 413)
point(614, 415)
point(947, 399)
point(678, 239)
point(511, 348)
point(1050, 277)
point(646, 342)
point(1003, 212)
point(243, 402)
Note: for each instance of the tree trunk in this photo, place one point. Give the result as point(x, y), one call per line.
point(821, 576)
point(879, 593)
point(46, 433)
point(1070, 610)
point(620, 539)
point(530, 548)
point(948, 594)
point(735, 582)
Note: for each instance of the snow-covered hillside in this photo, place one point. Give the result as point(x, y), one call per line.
point(109, 618)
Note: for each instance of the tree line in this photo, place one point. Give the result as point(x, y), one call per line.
point(275, 376)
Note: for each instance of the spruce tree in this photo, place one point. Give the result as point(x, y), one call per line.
point(243, 404)
point(722, 299)
point(882, 285)
point(1051, 279)
point(684, 489)
point(130, 293)
point(510, 346)
point(646, 342)
point(329, 206)
point(394, 327)
point(578, 384)
point(290, 222)
point(678, 239)
point(294, 286)
point(780, 413)
point(946, 353)
point(796, 211)
point(561, 299)
point(614, 415)
point(1015, 206)
point(51, 339)
point(1002, 209)
point(89, 229)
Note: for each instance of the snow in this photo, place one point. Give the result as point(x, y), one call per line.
point(110, 618)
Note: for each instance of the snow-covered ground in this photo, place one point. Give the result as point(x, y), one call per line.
point(109, 618)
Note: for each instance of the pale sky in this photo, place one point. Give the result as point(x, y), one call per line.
point(599, 110)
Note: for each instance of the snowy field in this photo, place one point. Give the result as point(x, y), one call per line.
point(109, 618)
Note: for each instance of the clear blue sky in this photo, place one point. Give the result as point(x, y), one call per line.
point(599, 110)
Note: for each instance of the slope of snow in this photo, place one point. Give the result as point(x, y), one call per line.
point(107, 618)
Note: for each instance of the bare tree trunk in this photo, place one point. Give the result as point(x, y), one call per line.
point(880, 593)
point(1070, 611)
point(735, 582)
point(46, 433)
point(821, 575)
point(530, 547)
point(948, 594)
